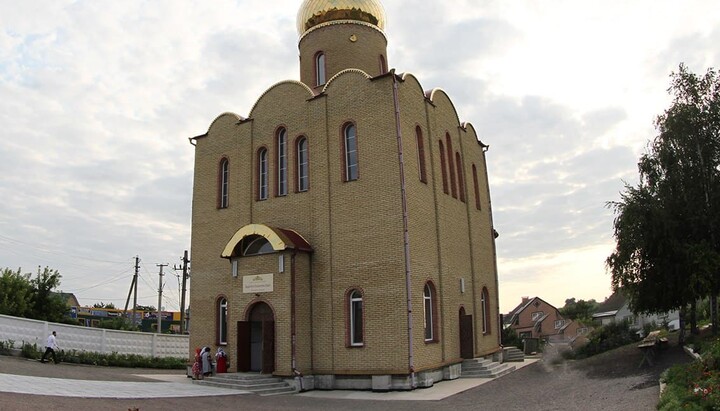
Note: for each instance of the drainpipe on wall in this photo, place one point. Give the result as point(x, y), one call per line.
point(293, 361)
point(406, 237)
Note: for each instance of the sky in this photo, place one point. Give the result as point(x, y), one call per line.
point(98, 99)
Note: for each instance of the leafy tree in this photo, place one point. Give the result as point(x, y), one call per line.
point(145, 308)
point(103, 305)
point(15, 293)
point(667, 255)
point(580, 310)
point(47, 305)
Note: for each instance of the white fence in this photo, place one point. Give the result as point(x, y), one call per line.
point(73, 337)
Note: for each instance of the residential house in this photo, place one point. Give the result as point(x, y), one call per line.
point(616, 308)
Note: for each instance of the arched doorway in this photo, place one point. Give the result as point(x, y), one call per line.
point(466, 335)
point(256, 340)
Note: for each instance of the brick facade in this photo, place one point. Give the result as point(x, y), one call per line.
point(355, 228)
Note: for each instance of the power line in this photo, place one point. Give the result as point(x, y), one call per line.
point(56, 252)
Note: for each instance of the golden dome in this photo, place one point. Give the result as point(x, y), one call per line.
point(314, 12)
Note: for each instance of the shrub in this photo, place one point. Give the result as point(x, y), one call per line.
point(694, 386)
point(31, 351)
point(606, 338)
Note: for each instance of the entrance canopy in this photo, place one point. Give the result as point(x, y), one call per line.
point(279, 238)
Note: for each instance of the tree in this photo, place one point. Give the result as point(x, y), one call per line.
point(15, 293)
point(103, 305)
point(580, 310)
point(667, 253)
point(47, 306)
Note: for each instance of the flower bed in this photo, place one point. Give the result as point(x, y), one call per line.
point(694, 386)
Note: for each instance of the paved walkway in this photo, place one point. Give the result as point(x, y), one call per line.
point(176, 386)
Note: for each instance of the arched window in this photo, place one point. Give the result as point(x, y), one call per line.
point(383, 66)
point(421, 154)
point(429, 311)
point(451, 166)
point(223, 183)
point(443, 167)
point(475, 185)
point(320, 69)
point(355, 323)
point(303, 179)
point(254, 245)
point(461, 184)
point(262, 174)
point(485, 305)
point(222, 323)
point(351, 154)
point(282, 169)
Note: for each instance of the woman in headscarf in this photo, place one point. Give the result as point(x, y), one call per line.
point(206, 362)
point(197, 368)
point(221, 361)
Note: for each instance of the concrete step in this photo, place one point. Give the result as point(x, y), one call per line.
point(488, 373)
point(255, 383)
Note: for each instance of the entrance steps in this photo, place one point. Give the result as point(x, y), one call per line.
point(484, 368)
point(513, 354)
point(261, 384)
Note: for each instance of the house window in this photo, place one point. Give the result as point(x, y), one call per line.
point(475, 185)
point(356, 318)
point(421, 154)
point(461, 184)
point(222, 309)
point(485, 305)
point(451, 165)
point(255, 245)
point(282, 162)
point(320, 68)
point(383, 66)
point(223, 189)
point(582, 330)
point(559, 324)
point(351, 154)
point(443, 167)
point(536, 315)
point(303, 179)
point(263, 174)
point(429, 312)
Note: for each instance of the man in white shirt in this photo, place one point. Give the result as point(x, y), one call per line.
point(51, 346)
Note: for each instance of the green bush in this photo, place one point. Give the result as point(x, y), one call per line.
point(108, 360)
point(31, 351)
point(606, 338)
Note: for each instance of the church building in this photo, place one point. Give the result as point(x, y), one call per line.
point(342, 234)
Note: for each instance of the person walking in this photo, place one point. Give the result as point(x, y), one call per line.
point(197, 367)
point(221, 361)
point(206, 362)
point(50, 348)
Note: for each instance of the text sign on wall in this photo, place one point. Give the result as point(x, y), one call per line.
point(259, 283)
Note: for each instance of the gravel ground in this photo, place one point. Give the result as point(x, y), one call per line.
point(611, 381)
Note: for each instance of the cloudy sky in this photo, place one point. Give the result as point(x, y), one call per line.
point(98, 99)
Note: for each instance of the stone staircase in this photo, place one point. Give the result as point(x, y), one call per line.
point(513, 354)
point(484, 368)
point(261, 384)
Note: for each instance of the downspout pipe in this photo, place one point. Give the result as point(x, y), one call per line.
point(406, 236)
point(293, 321)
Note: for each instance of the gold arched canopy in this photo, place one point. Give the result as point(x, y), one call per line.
point(279, 238)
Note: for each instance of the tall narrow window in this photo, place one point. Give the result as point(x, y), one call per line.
point(222, 328)
point(303, 179)
point(443, 167)
point(451, 166)
point(461, 183)
point(429, 312)
point(356, 318)
point(383, 66)
point(282, 169)
point(223, 189)
point(320, 69)
point(263, 174)
point(485, 305)
point(475, 185)
point(421, 154)
point(351, 155)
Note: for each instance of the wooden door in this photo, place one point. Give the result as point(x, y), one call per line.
point(466, 336)
point(268, 347)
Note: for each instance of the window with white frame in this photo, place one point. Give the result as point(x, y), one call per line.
point(320, 69)
point(559, 324)
point(428, 312)
point(282, 169)
point(223, 192)
point(222, 321)
point(536, 315)
point(351, 154)
point(356, 318)
point(263, 174)
point(303, 178)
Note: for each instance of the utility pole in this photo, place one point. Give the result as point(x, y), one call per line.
point(159, 308)
point(184, 290)
point(133, 290)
